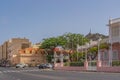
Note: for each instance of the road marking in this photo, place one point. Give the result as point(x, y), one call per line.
point(9, 71)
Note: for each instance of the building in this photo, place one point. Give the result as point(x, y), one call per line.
point(1, 56)
point(31, 56)
point(10, 48)
point(37, 45)
point(114, 38)
point(3, 49)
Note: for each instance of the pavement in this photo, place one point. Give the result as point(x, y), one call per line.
point(46, 74)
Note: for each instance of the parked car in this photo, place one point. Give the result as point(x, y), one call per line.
point(44, 66)
point(21, 65)
point(48, 65)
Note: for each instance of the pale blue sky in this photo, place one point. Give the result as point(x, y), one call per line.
point(38, 19)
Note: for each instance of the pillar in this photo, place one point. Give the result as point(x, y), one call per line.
point(86, 64)
point(61, 59)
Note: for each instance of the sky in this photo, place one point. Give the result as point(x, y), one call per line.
point(39, 19)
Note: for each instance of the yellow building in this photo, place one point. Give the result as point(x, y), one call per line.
point(30, 56)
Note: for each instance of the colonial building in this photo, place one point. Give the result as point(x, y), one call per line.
point(114, 37)
point(107, 56)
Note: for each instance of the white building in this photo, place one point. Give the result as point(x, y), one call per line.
point(114, 30)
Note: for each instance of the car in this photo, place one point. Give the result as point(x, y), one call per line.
point(48, 65)
point(42, 66)
point(21, 65)
point(45, 66)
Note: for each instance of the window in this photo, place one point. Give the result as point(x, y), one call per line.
point(115, 31)
point(105, 55)
point(115, 55)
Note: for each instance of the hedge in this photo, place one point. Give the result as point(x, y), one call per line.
point(76, 63)
point(116, 63)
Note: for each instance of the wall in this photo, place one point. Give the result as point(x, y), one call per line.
point(109, 69)
point(32, 56)
point(0, 52)
point(68, 68)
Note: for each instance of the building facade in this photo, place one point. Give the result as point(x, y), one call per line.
point(114, 38)
point(30, 56)
point(10, 48)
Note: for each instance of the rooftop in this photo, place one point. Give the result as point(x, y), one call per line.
point(116, 20)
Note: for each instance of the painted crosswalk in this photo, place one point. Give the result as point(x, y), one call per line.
point(10, 71)
point(17, 71)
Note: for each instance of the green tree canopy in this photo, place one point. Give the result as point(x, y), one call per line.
point(67, 41)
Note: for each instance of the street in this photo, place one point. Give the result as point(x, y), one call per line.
point(37, 74)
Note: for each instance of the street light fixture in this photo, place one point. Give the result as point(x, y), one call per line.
point(99, 49)
point(99, 59)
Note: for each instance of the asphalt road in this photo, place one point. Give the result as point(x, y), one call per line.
point(37, 74)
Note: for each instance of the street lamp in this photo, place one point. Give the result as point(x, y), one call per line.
point(110, 40)
point(99, 60)
point(99, 49)
point(87, 46)
point(110, 55)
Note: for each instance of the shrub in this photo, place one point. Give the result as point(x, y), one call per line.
point(66, 64)
point(116, 63)
point(76, 63)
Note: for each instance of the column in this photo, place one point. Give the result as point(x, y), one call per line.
point(55, 65)
point(99, 60)
point(61, 59)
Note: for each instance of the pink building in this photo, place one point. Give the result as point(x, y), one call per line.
point(114, 38)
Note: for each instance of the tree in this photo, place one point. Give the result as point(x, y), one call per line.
point(72, 40)
point(104, 46)
point(67, 41)
point(77, 57)
point(93, 51)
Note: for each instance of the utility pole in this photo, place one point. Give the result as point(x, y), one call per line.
point(110, 40)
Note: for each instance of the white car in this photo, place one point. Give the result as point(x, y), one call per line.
point(48, 65)
point(21, 65)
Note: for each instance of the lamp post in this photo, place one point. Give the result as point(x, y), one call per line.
point(87, 46)
point(110, 55)
point(99, 49)
point(110, 40)
point(99, 56)
point(86, 62)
